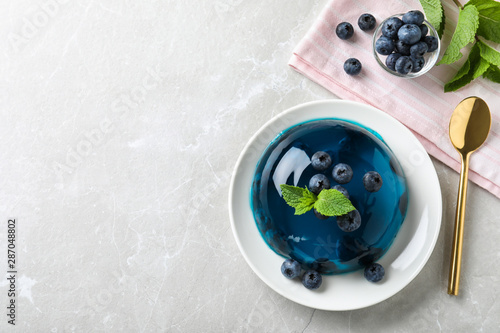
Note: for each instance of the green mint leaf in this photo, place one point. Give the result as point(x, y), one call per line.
point(434, 13)
point(333, 203)
point(465, 32)
point(481, 68)
point(466, 73)
point(440, 28)
point(299, 198)
point(492, 74)
point(489, 54)
point(489, 18)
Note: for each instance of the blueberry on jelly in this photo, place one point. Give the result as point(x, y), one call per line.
point(321, 161)
point(413, 17)
point(319, 215)
point(404, 65)
point(431, 42)
point(352, 66)
point(418, 50)
point(344, 30)
point(342, 173)
point(372, 181)
point(418, 64)
point(342, 190)
point(312, 279)
point(350, 221)
point(374, 272)
point(366, 22)
point(391, 27)
point(318, 182)
point(409, 33)
point(290, 269)
point(391, 59)
point(384, 45)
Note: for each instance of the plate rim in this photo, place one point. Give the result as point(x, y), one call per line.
point(379, 113)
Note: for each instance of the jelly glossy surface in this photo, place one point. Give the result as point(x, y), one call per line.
point(320, 244)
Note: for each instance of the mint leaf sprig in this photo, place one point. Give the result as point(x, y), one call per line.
point(299, 198)
point(465, 33)
point(478, 20)
point(435, 14)
point(328, 202)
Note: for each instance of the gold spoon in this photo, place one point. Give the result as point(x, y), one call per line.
point(469, 127)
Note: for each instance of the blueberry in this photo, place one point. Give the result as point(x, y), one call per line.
point(366, 22)
point(418, 64)
point(391, 26)
point(384, 45)
point(290, 268)
point(409, 34)
point(312, 279)
point(342, 173)
point(402, 48)
point(318, 182)
point(419, 49)
point(413, 17)
point(374, 272)
point(344, 30)
point(352, 66)
point(431, 42)
point(391, 59)
point(372, 179)
point(319, 215)
point(424, 29)
point(342, 190)
point(404, 65)
point(350, 221)
point(321, 160)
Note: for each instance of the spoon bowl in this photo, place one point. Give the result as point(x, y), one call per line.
point(470, 124)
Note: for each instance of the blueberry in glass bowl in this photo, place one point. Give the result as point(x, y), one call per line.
point(415, 45)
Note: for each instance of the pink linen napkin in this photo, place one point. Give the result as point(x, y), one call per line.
point(418, 103)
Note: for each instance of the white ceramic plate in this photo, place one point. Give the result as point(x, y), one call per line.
point(411, 248)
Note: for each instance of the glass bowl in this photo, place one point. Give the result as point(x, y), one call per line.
point(430, 57)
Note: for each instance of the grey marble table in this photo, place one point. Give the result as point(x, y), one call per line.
point(121, 125)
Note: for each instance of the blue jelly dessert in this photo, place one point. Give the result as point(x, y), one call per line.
point(318, 243)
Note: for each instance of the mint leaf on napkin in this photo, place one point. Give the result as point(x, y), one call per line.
point(333, 203)
point(465, 33)
point(489, 18)
point(434, 13)
point(477, 19)
point(493, 74)
point(480, 68)
point(489, 54)
point(467, 72)
point(299, 198)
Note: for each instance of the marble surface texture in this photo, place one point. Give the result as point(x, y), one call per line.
point(121, 125)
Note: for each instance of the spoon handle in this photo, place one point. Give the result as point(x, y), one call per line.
point(456, 254)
